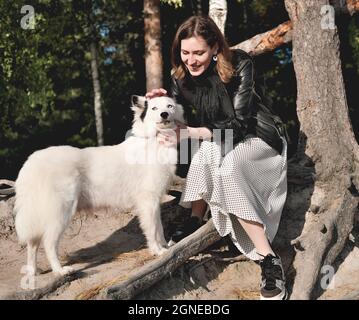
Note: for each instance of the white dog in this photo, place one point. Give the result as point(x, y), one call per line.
point(55, 182)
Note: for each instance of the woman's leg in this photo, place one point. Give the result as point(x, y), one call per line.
point(255, 232)
point(254, 229)
point(199, 209)
point(192, 224)
point(273, 278)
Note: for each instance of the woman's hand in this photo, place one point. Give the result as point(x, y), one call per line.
point(202, 133)
point(156, 93)
point(167, 137)
point(171, 137)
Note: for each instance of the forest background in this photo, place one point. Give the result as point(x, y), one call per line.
point(46, 80)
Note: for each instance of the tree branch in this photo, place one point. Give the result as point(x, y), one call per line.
point(7, 191)
point(267, 41)
point(282, 34)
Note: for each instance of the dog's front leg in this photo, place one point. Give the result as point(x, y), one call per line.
point(150, 219)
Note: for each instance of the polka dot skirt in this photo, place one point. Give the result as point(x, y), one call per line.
point(248, 182)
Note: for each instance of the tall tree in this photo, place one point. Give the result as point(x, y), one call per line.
point(218, 12)
point(93, 38)
point(327, 144)
point(97, 93)
point(153, 53)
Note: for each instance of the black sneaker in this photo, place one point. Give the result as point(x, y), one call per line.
point(273, 279)
point(185, 230)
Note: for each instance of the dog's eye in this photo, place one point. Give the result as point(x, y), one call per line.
point(170, 106)
point(154, 108)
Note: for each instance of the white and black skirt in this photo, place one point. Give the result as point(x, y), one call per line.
point(249, 182)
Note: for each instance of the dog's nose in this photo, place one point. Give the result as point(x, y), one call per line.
point(164, 115)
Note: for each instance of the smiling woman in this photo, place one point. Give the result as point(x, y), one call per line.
point(244, 187)
point(197, 55)
point(196, 45)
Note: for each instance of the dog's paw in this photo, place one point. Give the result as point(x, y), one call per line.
point(64, 271)
point(30, 271)
point(158, 251)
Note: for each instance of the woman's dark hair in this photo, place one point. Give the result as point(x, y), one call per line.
point(204, 27)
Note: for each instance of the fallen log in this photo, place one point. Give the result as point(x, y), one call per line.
point(164, 265)
point(7, 191)
point(39, 293)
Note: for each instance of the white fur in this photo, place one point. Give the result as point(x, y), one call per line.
point(57, 181)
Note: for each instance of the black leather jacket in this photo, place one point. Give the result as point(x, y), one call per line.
point(244, 94)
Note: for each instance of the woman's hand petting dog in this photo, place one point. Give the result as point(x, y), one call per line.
point(171, 137)
point(156, 93)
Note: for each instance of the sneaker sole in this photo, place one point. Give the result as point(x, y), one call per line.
point(282, 296)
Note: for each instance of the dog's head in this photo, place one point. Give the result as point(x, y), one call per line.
point(151, 115)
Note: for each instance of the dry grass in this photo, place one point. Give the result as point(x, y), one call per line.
point(245, 294)
point(94, 291)
point(141, 256)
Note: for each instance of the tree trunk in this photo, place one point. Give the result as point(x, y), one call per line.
point(153, 54)
point(97, 93)
point(218, 12)
point(326, 143)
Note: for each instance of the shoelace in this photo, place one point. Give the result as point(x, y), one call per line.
point(270, 272)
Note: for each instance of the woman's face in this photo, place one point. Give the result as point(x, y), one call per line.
point(196, 54)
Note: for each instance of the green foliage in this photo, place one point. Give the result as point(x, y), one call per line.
point(261, 6)
point(353, 30)
point(46, 91)
point(349, 51)
point(175, 3)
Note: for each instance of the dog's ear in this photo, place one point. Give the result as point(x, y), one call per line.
point(138, 101)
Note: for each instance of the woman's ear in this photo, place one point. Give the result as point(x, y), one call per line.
point(215, 49)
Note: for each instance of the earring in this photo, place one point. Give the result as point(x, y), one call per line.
point(215, 58)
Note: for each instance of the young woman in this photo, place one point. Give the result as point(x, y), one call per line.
point(246, 187)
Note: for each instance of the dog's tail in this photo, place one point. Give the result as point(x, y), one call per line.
point(47, 190)
point(38, 202)
point(29, 203)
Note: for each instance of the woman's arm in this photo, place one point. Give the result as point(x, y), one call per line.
point(243, 99)
point(244, 94)
point(192, 132)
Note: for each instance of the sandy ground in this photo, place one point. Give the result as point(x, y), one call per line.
point(107, 246)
